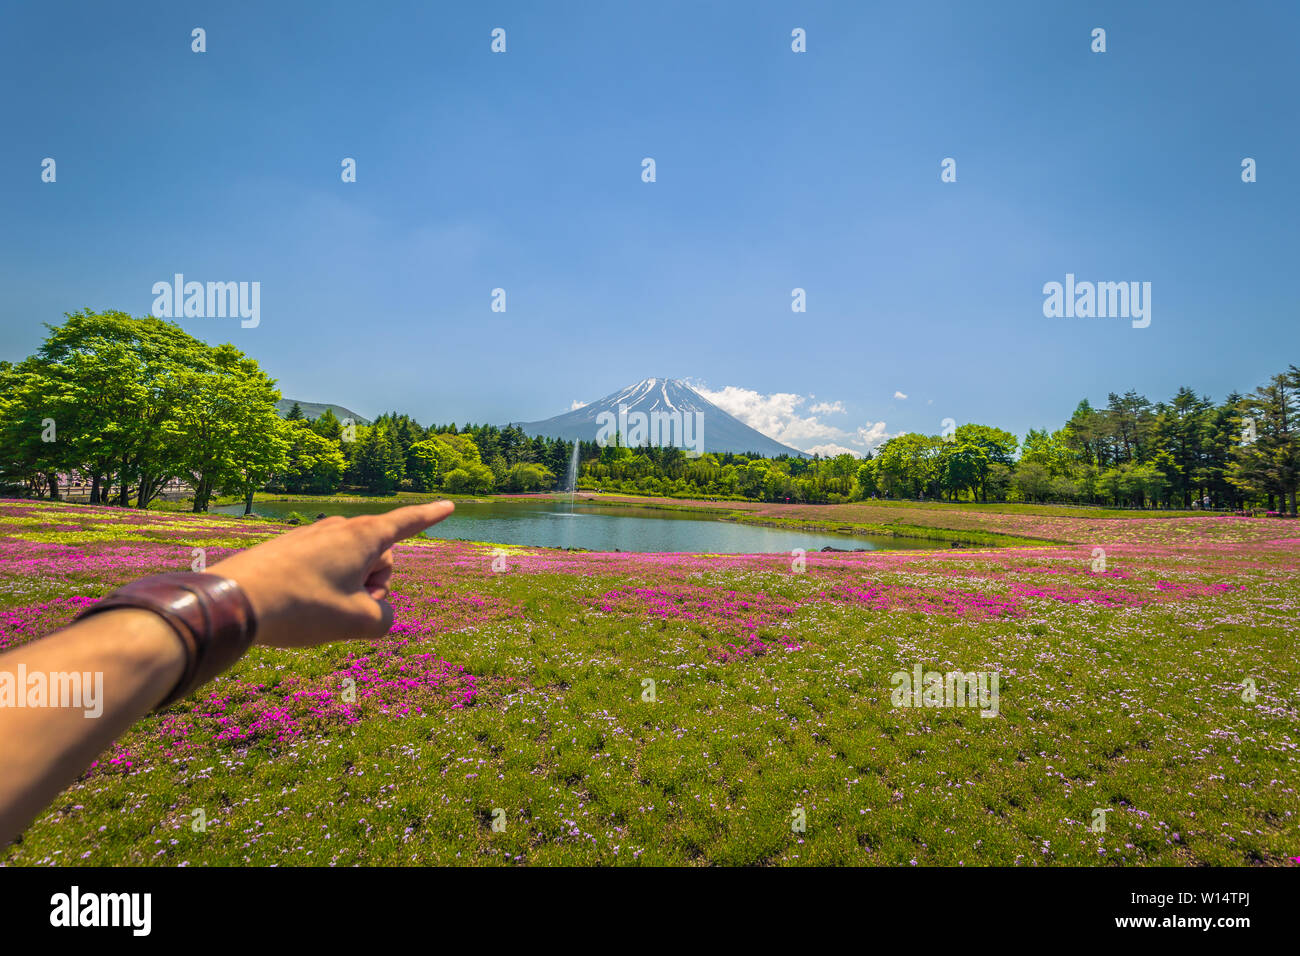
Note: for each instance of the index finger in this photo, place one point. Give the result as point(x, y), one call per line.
point(400, 523)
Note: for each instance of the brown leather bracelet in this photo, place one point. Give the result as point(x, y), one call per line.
point(210, 614)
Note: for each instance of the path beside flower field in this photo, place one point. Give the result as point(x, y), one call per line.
point(679, 708)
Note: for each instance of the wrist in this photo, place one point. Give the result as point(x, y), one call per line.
point(270, 605)
point(211, 621)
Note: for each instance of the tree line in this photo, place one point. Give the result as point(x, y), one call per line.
point(129, 404)
point(1185, 452)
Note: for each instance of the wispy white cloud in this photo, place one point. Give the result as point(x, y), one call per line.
point(780, 415)
point(771, 414)
point(899, 395)
point(874, 435)
point(827, 408)
point(577, 405)
point(831, 450)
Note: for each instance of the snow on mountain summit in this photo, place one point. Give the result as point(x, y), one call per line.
point(667, 396)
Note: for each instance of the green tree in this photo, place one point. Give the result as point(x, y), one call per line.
point(1182, 431)
point(260, 454)
point(115, 386)
point(529, 476)
point(907, 465)
point(1032, 481)
point(965, 459)
point(866, 479)
point(315, 463)
point(380, 465)
point(327, 425)
point(1267, 462)
point(217, 428)
point(30, 454)
point(473, 478)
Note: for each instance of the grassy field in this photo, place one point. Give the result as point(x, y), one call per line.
point(509, 719)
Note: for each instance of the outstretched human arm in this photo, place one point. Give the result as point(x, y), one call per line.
point(314, 585)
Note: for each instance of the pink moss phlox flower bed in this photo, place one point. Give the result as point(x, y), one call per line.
point(1147, 664)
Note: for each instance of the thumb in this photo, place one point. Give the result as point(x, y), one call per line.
point(374, 618)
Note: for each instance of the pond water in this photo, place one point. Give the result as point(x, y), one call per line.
point(551, 524)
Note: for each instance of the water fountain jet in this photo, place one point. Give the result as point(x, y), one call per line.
point(573, 475)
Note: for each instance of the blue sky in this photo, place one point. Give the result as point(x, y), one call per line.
point(775, 170)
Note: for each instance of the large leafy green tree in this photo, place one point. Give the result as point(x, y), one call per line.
point(31, 455)
point(217, 430)
point(135, 402)
point(908, 464)
point(112, 384)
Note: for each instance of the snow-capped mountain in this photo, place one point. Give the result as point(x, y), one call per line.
point(665, 396)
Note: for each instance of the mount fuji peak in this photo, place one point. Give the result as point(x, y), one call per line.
point(722, 432)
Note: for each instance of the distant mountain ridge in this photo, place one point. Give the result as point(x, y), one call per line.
point(316, 409)
point(723, 432)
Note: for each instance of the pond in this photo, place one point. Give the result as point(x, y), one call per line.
point(545, 523)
